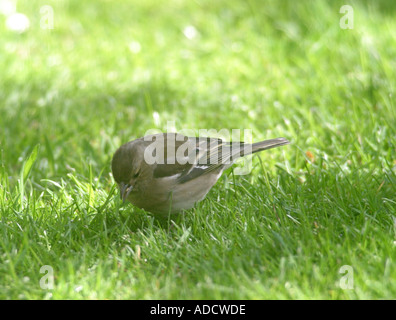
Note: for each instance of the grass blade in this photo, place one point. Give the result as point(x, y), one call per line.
point(26, 168)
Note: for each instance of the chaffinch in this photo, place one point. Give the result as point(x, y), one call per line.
point(169, 172)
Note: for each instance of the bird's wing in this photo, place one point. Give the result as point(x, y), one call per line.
point(193, 157)
point(186, 158)
point(172, 159)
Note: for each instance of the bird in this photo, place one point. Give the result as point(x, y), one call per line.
point(167, 173)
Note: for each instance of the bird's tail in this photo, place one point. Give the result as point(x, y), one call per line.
point(245, 149)
point(269, 144)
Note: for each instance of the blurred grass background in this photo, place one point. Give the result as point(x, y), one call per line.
point(110, 70)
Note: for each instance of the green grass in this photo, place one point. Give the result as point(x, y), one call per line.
point(281, 68)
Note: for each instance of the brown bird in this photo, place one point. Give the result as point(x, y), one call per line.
point(169, 172)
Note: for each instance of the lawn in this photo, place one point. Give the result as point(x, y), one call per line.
point(313, 220)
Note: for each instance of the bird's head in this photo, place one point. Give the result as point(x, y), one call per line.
point(127, 166)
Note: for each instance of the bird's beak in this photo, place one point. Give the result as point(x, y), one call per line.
point(125, 190)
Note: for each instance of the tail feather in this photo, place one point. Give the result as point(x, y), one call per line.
point(268, 144)
point(258, 146)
